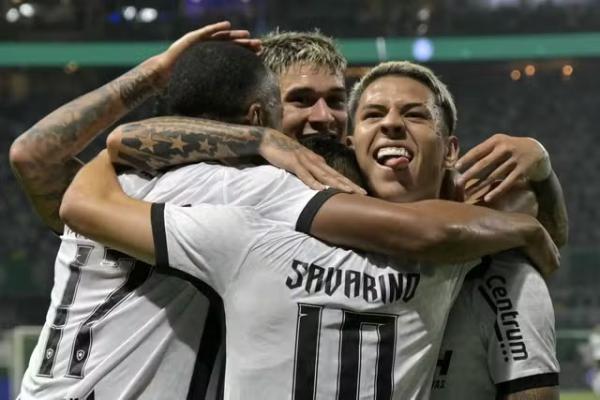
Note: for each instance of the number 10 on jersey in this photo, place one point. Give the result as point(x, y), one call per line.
point(351, 368)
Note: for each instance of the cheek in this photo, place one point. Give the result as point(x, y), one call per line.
point(293, 116)
point(341, 116)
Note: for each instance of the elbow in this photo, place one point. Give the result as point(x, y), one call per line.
point(69, 209)
point(19, 156)
point(74, 212)
point(113, 142)
point(562, 237)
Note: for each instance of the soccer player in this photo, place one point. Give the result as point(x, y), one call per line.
point(120, 332)
point(310, 69)
point(132, 354)
point(499, 342)
point(537, 375)
point(304, 277)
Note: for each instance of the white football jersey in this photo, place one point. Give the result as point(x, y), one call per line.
point(118, 329)
point(306, 320)
point(500, 335)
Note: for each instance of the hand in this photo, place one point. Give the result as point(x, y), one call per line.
point(284, 152)
point(164, 62)
point(519, 198)
point(542, 251)
point(503, 158)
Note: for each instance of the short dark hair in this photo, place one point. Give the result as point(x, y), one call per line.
point(338, 156)
point(219, 80)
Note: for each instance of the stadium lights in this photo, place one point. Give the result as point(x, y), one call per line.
point(129, 13)
point(12, 15)
point(530, 70)
point(422, 49)
point(515, 75)
point(27, 10)
point(147, 14)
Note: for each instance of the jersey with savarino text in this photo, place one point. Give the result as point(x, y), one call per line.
point(306, 320)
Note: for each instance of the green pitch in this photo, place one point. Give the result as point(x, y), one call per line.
point(578, 396)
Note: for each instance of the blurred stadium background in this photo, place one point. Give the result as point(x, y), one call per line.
point(525, 67)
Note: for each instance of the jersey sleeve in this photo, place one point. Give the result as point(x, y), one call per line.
point(201, 183)
point(277, 195)
point(207, 242)
point(521, 342)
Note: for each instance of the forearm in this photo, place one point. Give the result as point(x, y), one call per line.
point(552, 211)
point(544, 393)
point(95, 206)
point(43, 158)
point(157, 143)
point(432, 230)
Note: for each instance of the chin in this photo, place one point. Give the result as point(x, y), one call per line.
point(395, 192)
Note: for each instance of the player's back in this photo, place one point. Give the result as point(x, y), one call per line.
point(118, 329)
point(112, 321)
point(307, 320)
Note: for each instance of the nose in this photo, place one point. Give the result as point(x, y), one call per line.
point(321, 115)
point(393, 126)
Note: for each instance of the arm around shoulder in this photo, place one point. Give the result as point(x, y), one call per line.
point(96, 207)
point(430, 230)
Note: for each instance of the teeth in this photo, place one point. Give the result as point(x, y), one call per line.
point(392, 152)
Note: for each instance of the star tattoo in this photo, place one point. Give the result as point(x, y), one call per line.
point(148, 143)
point(177, 143)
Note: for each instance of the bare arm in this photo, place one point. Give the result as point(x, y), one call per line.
point(510, 159)
point(434, 230)
point(96, 206)
point(544, 393)
point(157, 143)
point(43, 158)
point(552, 210)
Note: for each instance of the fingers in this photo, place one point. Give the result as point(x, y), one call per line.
point(506, 184)
point(498, 174)
point(193, 37)
point(473, 155)
point(253, 44)
point(328, 176)
point(309, 180)
point(482, 168)
point(230, 34)
point(207, 31)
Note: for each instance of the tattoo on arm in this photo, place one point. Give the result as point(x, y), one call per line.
point(157, 143)
point(136, 88)
point(48, 149)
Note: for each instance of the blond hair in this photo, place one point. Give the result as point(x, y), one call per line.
point(282, 50)
point(442, 97)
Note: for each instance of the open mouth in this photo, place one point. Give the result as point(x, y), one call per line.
point(393, 157)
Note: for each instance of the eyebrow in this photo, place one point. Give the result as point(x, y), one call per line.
point(308, 90)
point(403, 108)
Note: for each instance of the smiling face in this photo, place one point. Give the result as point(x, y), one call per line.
point(314, 102)
point(399, 140)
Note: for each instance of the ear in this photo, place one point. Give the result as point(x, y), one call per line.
point(255, 115)
point(452, 150)
point(349, 140)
